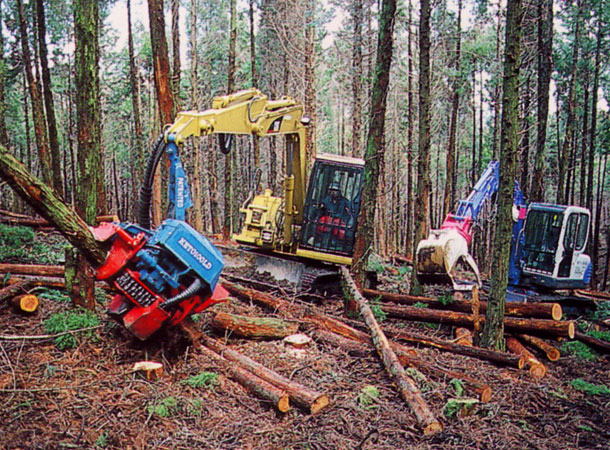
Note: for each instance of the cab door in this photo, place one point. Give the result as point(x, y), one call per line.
point(574, 242)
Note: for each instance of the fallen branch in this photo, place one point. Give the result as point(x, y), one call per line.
point(409, 391)
point(22, 286)
point(540, 310)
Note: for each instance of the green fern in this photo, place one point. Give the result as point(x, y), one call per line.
point(589, 388)
point(71, 321)
point(202, 380)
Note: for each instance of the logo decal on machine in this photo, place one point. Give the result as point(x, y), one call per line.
point(194, 253)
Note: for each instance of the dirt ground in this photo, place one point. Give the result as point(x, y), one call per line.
point(89, 396)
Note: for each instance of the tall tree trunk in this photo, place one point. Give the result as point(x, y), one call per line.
point(90, 187)
point(450, 182)
point(310, 80)
point(473, 166)
point(197, 162)
point(493, 331)
point(357, 71)
point(3, 132)
point(584, 141)
point(596, 231)
point(40, 130)
point(422, 196)
point(525, 140)
point(163, 88)
point(497, 90)
point(563, 187)
point(375, 142)
point(138, 159)
point(410, 121)
point(47, 89)
point(254, 78)
point(593, 130)
point(176, 69)
point(227, 228)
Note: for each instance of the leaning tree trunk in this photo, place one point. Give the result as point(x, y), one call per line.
point(493, 331)
point(375, 142)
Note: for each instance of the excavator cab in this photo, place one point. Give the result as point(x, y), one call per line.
point(332, 205)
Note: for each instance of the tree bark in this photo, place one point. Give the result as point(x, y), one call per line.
point(40, 130)
point(375, 146)
point(568, 140)
point(357, 75)
point(176, 69)
point(406, 386)
point(3, 131)
point(47, 90)
point(227, 227)
point(493, 332)
point(545, 69)
point(422, 195)
point(32, 269)
point(253, 327)
point(450, 162)
point(597, 344)
point(163, 89)
point(15, 289)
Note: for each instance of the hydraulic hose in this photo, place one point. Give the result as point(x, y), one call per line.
point(188, 292)
point(147, 186)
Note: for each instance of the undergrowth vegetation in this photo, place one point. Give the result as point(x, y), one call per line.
point(22, 245)
point(71, 326)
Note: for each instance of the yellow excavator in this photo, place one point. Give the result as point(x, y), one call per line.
point(314, 219)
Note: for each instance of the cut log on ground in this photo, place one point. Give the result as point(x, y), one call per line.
point(597, 344)
point(303, 396)
point(349, 346)
point(520, 325)
point(253, 327)
point(32, 269)
point(15, 288)
point(537, 369)
point(406, 355)
point(538, 310)
point(252, 382)
point(551, 352)
point(504, 359)
point(50, 206)
point(36, 222)
point(409, 391)
point(27, 303)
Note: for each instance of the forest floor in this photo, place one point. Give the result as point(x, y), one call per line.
point(79, 391)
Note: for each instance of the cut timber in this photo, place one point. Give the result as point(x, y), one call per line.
point(349, 346)
point(551, 352)
point(301, 395)
point(152, 370)
point(520, 325)
point(597, 344)
point(255, 384)
point(32, 269)
point(49, 205)
point(537, 369)
point(539, 310)
point(463, 336)
point(332, 326)
point(298, 341)
point(409, 391)
point(36, 222)
point(17, 287)
point(253, 327)
point(27, 303)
